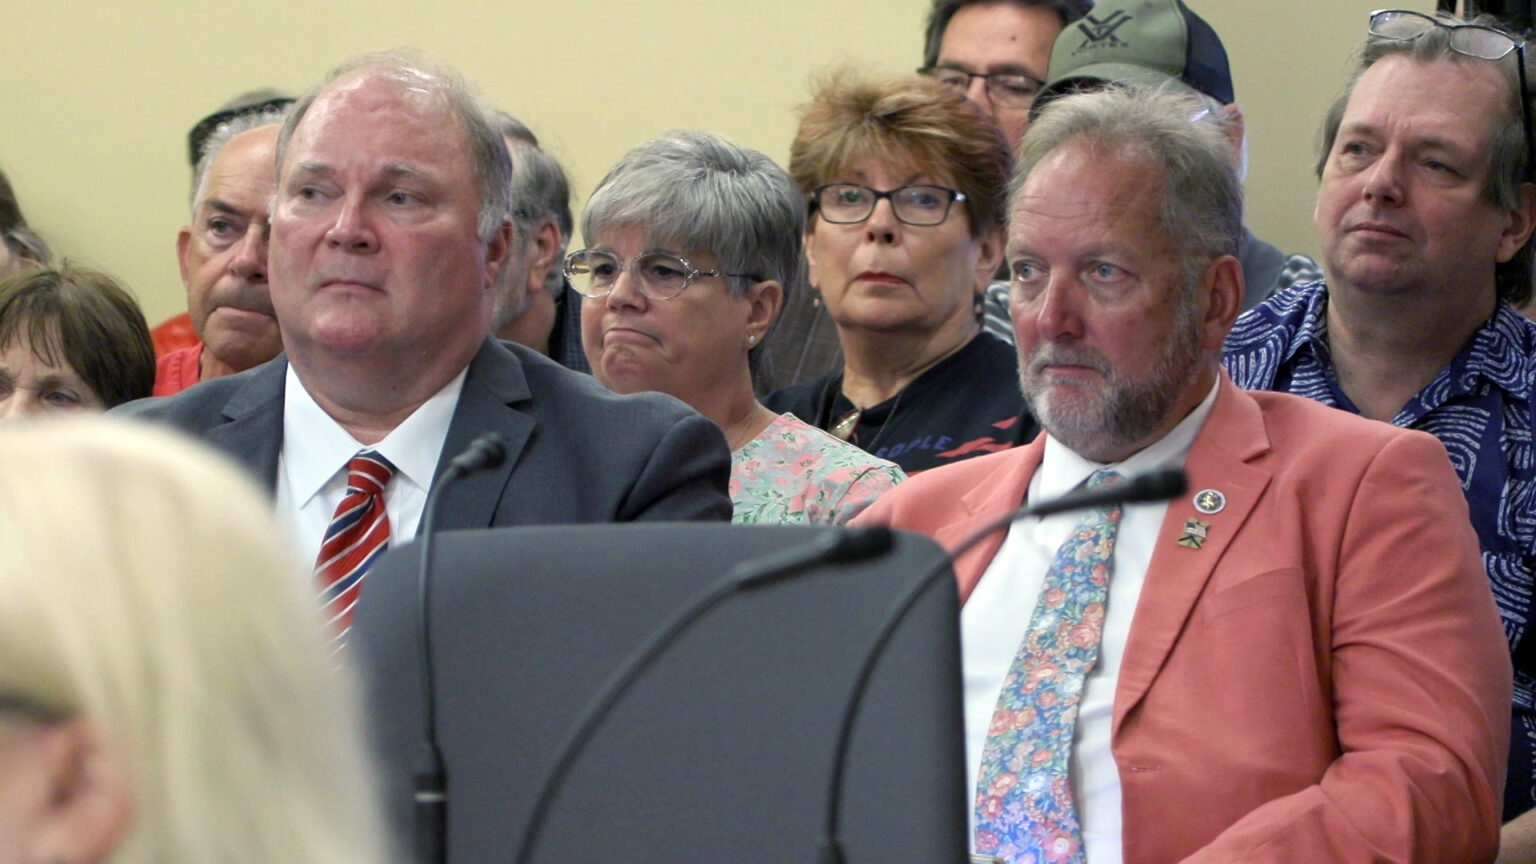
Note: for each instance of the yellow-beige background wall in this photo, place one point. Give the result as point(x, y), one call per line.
point(98, 95)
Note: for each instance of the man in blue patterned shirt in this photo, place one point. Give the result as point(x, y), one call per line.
point(1424, 223)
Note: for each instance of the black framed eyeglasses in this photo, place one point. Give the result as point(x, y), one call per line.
point(1471, 40)
point(920, 204)
point(661, 275)
point(1004, 89)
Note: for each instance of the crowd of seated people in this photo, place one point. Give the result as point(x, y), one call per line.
point(1021, 271)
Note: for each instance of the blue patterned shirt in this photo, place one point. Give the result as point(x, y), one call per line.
point(1482, 407)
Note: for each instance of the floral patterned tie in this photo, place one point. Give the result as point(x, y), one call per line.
point(1024, 806)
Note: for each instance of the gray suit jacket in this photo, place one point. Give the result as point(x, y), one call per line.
point(576, 451)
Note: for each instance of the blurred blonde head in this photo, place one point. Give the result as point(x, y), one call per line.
point(147, 594)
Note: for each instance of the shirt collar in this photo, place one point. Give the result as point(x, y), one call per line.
point(1309, 315)
point(1503, 351)
point(1062, 470)
point(316, 448)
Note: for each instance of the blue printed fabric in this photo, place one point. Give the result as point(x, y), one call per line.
point(1480, 406)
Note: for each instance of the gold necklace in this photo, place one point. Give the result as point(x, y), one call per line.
point(844, 426)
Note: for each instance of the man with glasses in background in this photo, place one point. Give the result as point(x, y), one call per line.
point(1424, 216)
point(997, 52)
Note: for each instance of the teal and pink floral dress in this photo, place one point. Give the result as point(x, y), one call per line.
point(796, 473)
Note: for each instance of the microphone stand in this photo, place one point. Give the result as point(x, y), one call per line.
point(430, 786)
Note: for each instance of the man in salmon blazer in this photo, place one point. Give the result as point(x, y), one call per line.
point(1299, 660)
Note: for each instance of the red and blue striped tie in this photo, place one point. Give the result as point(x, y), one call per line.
point(357, 536)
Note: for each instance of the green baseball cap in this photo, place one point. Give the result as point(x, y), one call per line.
point(1148, 42)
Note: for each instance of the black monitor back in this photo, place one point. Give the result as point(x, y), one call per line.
point(723, 750)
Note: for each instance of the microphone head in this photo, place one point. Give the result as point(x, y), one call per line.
point(488, 450)
point(859, 544)
point(493, 449)
point(1159, 485)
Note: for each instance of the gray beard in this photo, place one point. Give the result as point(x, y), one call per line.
point(1122, 412)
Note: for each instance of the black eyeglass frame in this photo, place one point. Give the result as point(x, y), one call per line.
point(1515, 44)
point(890, 194)
point(690, 272)
point(992, 79)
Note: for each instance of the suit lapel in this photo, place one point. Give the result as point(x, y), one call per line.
point(985, 503)
point(494, 383)
point(1233, 435)
point(253, 434)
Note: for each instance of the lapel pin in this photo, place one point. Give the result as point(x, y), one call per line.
point(1195, 533)
point(1210, 501)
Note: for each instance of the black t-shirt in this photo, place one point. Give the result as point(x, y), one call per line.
point(967, 405)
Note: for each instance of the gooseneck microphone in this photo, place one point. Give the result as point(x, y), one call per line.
point(831, 546)
point(1159, 485)
point(430, 785)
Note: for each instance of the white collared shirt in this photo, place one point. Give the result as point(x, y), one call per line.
point(312, 465)
point(994, 618)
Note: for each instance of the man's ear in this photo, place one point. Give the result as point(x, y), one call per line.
point(89, 803)
point(183, 242)
point(1222, 287)
point(990, 259)
point(546, 248)
point(497, 251)
point(1518, 223)
point(1235, 127)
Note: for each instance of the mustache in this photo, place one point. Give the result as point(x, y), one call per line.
point(244, 295)
point(1056, 354)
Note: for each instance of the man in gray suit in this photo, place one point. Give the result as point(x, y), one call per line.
point(389, 224)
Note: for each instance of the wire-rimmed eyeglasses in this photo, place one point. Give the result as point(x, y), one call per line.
point(1471, 40)
point(1004, 89)
point(661, 275)
point(919, 204)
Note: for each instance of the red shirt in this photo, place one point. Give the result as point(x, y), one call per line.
point(177, 370)
point(172, 334)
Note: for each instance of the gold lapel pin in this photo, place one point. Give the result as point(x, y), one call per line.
point(1210, 501)
point(1195, 532)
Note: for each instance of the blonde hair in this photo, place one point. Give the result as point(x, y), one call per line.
point(903, 120)
point(146, 588)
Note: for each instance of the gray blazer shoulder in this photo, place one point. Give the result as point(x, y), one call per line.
point(576, 451)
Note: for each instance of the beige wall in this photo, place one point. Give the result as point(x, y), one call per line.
point(99, 93)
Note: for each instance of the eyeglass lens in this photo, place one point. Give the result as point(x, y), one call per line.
point(1472, 40)
point(662, 276)
point(1003, 88)
point(846, 203)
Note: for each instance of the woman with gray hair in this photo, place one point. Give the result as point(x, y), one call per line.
point(693, 243)
point(165, 692)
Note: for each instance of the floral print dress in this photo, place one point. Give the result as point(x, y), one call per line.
point(796, 473)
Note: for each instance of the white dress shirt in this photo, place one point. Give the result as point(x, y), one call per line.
point(994, 619)
point(312, 465)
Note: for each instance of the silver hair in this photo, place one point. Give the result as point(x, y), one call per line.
point(1507, 153)
point(540, 193)
point(222, 135)
point(25, 242)
point(540, 189)
point(489, 161)
point(1202, 201)
point(698, 191)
